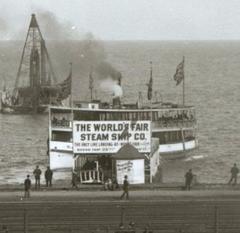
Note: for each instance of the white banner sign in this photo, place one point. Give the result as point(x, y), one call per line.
point(109, 136)
point(134, 169)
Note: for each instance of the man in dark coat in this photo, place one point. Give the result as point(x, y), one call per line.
point(234, 174)
point(75, 179)
point(27, 186)
point(37, 174)
point(48, 176)
point(188, 179)
point(125, 188)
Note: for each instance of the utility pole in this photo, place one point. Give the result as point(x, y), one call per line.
point(25, 222)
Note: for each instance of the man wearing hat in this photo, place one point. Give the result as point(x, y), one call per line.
point(125, 188)
point(27, 186)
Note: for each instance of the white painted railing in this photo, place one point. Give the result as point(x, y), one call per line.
point(91, 176)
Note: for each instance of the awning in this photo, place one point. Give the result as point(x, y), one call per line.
point(128, 152)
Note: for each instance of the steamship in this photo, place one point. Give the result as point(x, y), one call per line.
point(173, 125)
point(36, 84)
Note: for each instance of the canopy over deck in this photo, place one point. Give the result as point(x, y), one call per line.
point(128, 152)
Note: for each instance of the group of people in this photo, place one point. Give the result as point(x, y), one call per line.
point(233, 179)
point(189, 176)
point(37, 175)
point(113, 184)
point(62, 122)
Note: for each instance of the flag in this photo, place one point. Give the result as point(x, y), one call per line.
point(66, 86)
point(179, 75)
point(149, 94)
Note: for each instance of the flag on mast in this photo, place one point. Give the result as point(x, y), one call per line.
point(149, 94)
point(179, 75)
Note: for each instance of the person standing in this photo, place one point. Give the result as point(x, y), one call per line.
point(37, 174)
point(75, 179)
point(48, 177)
point(125, 188)
point(234, 174)
point(27, 186)
point(188, 179)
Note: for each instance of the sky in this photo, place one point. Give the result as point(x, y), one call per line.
point(126, 19)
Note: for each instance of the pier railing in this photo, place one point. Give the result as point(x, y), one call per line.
point(91, 176)
point(173, 123)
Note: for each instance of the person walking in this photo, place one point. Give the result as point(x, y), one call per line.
point(125, 188)
point(188, 179)
point(37, 174)
point(234, 174)
point(27, 186)
point(48, 177)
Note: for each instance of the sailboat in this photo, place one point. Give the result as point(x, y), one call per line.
point(36, 84)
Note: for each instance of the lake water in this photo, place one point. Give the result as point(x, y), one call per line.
point(212, 73)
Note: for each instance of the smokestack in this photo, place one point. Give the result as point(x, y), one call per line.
point(116, 102)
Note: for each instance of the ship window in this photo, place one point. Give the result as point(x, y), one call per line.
point(146, 115)
point(102, 116)
point(188, 135)
point(140, 116)
point(132, 116)
point(169, 137)
point(119, 116)
point(87, 116)
point(105, 116)
point(61, 136)
point(110, 116)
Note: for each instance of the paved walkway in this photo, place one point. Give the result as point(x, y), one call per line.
point(137, 195)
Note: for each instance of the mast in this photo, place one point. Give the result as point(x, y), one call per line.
point(91, 86)
point(151, 83)
point(71, 97)
point(183, 83)
point(44, 78)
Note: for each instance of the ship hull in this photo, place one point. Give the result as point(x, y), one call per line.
point(177, 150)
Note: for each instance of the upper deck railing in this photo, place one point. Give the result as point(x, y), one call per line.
point(173, 124)
point(161, 118)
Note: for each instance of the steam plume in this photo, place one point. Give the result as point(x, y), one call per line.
point(111, 86)
point(111, 78)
